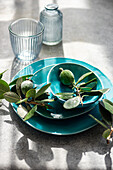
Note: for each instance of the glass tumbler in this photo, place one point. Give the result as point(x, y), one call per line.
point(26, 38)
point(52, 18)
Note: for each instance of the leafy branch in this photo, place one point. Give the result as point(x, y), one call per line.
point(1, 75)
point(106, 111)
point(22, 92)
point(80, 91)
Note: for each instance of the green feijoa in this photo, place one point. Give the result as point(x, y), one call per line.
point(66, 77)
point(26, 85)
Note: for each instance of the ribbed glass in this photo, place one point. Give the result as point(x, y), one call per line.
point(26, 38)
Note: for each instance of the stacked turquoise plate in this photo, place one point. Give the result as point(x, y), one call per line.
point(60, 121)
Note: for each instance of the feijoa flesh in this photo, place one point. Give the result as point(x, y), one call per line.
point(66, 77)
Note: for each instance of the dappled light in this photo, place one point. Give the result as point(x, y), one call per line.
point(87, 37)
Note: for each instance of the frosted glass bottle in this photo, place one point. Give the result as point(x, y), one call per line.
point(52, 18)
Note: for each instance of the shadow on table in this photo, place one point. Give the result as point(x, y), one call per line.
point(46, 52)
point(74, 146)
point(17, 65)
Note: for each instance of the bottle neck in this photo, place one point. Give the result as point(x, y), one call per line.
point(51, 7)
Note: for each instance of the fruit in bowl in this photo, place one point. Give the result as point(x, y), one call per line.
point(66, 76)
point(75, 85)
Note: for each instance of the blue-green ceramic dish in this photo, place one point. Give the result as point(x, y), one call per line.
point(78, 70)
point(67, 126)
point(40, 79)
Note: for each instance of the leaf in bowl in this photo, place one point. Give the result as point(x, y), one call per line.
point(83, 77)
point(72, 103)
point(65, 95)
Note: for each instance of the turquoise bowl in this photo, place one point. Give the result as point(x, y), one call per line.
point(78, 71)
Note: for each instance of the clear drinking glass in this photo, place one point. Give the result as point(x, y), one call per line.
point(51, 18)
point(26, 38)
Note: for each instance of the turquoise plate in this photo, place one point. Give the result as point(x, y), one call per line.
point(68, 126)
point(40, 79)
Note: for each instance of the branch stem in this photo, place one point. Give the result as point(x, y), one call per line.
point(32, 102)
point(108, 138)
point(77, 93)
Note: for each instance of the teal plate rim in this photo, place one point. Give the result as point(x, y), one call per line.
point(68, 126)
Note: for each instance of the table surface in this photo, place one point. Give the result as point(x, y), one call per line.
point(87, 36)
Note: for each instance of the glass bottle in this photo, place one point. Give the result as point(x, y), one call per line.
point(51, 18)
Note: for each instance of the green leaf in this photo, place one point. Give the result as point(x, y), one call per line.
point(103, 91)
point(23, 77)
point(21, 101)
point(106, 133)
point(31, 93)
point(88, 88)
point(44, 101)
point(72, 103)
point(81, 84)
point(42, 90)
point(11, 97)
point(4, 87)
point(94, 93)
point(18, 85)
point(65, 95)
point(48, 100)
point(1, 74)
point(97, 92)
point(42, 96)
point(30, 113)
point(85, 89)
point(83, 77)
point(105, 109)
point(108, 105)
point(90, 83)
point(98, 121)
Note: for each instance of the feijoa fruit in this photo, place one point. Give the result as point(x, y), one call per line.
point(66, 77)
point(26, 85)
